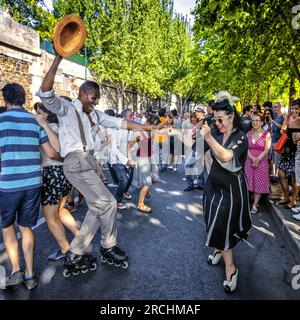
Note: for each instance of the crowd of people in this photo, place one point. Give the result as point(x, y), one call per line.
point(69, 146)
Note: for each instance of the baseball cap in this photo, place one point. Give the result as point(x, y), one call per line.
point(199, 109)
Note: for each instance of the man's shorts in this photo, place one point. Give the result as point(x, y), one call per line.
point(21, 205)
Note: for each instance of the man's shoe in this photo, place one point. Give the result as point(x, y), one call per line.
point(14, 279)
point(200, 187)
point(31, 281)
point(297, 216)
point(188, 189)
point(58, 255)
point(121, 206)
point(127, 195)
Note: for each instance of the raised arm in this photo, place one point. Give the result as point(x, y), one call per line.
point(48, 81)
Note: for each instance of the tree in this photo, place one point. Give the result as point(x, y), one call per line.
point(31, 13)
point(252, 41)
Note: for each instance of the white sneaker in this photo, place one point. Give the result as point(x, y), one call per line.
point(175, 169)
point(296, 210)
point(297, 216)
point(112, 185)
point(170, 167)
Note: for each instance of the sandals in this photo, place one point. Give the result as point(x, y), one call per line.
point(144, 208)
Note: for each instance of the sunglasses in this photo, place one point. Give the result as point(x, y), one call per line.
point(220, 120)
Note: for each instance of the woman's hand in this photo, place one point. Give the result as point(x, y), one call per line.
point(255, 162)
point(206, 131)
point(42, 121)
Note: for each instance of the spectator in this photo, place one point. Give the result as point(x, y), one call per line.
point(257, 167)
point(20, 181)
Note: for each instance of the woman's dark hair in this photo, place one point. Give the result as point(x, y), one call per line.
point(14, 94)
point(153, 118)
point(295, 102)
point(51, 118)
point(246, 109)
point(271, 113)
point(174, 112)
point(268, 105)
point(162, 112)
point(224, 105)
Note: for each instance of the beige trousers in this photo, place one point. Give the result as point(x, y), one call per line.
point(82, 171)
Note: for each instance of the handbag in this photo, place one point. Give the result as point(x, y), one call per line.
point(279, 146)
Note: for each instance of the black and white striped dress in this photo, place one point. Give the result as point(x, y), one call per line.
point(225, 197)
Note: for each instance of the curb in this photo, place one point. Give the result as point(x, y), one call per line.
point(289, 228)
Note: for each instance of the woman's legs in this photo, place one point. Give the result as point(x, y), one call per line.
point(143, 191)
point(229, 264)
point(55, 226)
point(66, 218)
point(295, 191)
point(256, 199)
point(284, 184)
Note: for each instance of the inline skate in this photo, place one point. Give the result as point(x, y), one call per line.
point(114, 256)
point(74, 264)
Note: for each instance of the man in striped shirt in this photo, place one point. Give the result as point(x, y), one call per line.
point(20, 180)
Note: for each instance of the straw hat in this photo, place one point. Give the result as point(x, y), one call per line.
point(69, 35)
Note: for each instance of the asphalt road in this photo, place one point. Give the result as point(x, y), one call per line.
point(167, 256)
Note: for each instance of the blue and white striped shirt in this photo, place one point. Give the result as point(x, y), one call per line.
point(20, 140)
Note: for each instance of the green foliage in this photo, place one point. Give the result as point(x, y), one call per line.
point(244, 46)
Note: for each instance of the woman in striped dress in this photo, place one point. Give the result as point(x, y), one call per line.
point(225, 196)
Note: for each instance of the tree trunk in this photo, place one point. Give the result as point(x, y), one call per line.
point(269, 92)
point(295, 67)
point(292, 90)
point(258, 97)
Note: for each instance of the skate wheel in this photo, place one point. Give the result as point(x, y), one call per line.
point(94, 266)
point(66, 273)
point(103, 259)
point(76, 272)
point(110, 262)
point(125, 265)
point(84, 270)
point(117, 264)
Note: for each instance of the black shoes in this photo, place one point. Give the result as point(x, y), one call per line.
point(18, 277)
point(56, 256)
point(31, 282)
point(188, 189)
point(14, 279)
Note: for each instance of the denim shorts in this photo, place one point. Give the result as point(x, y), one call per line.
point(22, 205)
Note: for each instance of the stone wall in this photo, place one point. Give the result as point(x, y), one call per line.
point(14, 70)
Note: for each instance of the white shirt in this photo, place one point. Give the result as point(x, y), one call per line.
point(119, 142)
point(69, 133)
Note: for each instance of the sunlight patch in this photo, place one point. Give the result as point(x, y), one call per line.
point(48, 274)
